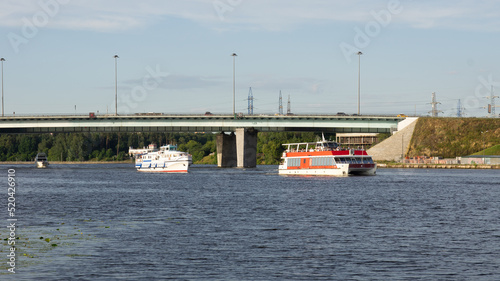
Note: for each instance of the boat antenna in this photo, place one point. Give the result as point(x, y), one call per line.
point(323, 136)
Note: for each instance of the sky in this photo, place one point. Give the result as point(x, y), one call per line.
point(175, 56)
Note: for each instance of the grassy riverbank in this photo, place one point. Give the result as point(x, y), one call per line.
point(452, 137)
point(435, 166)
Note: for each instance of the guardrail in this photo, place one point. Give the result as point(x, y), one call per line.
point(86, 115)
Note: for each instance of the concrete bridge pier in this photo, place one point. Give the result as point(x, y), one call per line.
point(237, 150)
point(246, 148)
point(226, 150)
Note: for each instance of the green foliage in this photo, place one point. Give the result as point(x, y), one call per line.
point(269, 145)
point(494, 150)
point(209, 160)
point(382, 136)
point(114, 147)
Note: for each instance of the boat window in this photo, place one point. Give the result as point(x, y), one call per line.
point(332, 145)
point(322, 161)
point(293, 162)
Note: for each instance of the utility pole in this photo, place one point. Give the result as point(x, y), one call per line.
point(234, 55)
point(116, 84)
point(359, 81)
point(460, 109)
point(280, 112)
point(492, 106)
point(288, 107)
point(2, 60)
point(250, 102)
point(434, 112)
point(402, 149)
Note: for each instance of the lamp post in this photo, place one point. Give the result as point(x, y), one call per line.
point(234, 82)
point(2, 60)
point(116, 84)
point(359, 79)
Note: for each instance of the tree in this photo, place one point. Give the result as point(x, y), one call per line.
point(27, 148)
point(58, 151)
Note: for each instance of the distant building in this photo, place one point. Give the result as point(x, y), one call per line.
point(353, 140)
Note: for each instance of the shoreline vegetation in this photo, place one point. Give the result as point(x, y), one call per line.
point(67, 162)
point(379, 165)
point(114, 147)
point(436, 166)
point(437, 137)
point(454, 137)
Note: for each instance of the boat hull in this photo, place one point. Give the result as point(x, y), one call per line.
point(325, 158)
point(340, 170)
point(42, 164)
point(151, 167)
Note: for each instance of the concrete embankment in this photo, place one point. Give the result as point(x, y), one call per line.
point(394, 147)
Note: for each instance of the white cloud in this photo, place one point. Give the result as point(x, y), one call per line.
point(303, 84)
point(183, 82)
point(463, 15)
point(115, 15)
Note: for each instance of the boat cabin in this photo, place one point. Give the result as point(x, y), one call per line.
point(169, 147)
point(312, 146)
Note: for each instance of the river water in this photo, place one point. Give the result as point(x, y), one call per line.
point(109, 222)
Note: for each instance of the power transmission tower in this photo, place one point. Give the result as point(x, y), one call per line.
point(460, 109)
point(281, 105)
point(250, 102)
point(288, 107)
point(434, 112)
point(492, 106)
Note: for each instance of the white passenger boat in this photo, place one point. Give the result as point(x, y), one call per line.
point(136, 151)
point(41, 160)
point(165, 160)
point(325, 158)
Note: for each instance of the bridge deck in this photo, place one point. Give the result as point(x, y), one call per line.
point(196, 123)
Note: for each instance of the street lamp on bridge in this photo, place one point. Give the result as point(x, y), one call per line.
point(234, 82)
point(2, 60)
point(359, 80)
point(116, 84)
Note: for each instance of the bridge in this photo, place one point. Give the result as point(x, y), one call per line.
point(237, 149)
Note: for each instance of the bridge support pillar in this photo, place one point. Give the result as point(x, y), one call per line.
point(226, 150)
point(237, 150)
point(246, 147)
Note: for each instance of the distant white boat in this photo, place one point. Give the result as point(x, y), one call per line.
point(41, 160)
point(165, 160)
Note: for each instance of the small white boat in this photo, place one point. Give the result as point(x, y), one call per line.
point(165, 160)
point(41, 160)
